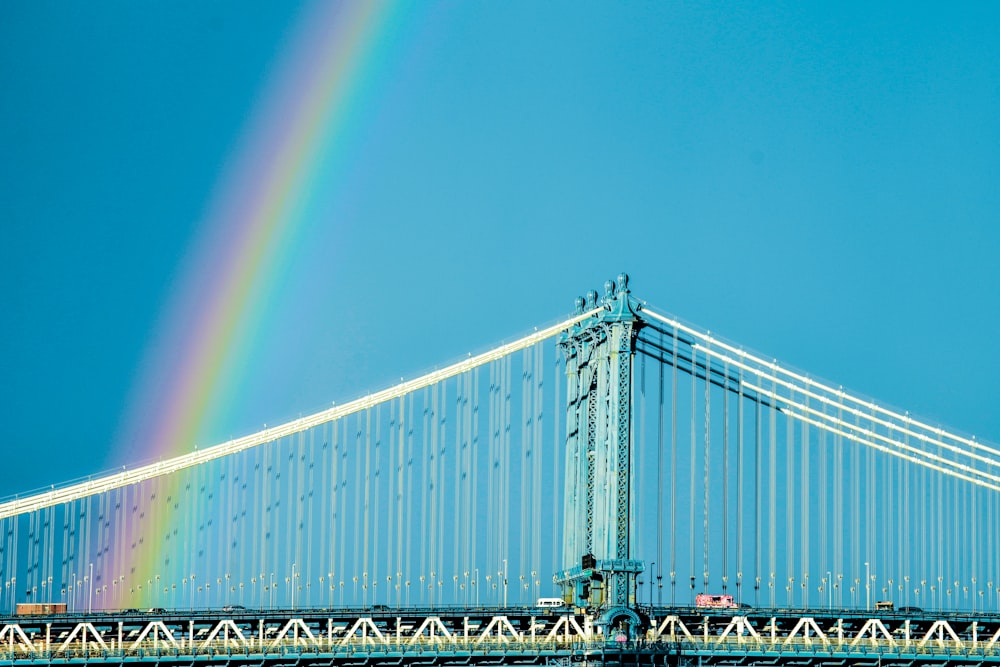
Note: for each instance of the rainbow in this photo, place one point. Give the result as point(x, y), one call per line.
point(257, 209)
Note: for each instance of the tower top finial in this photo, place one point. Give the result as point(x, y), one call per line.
point(617, 299)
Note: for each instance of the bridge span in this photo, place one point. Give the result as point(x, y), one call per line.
point(512, 635)
point(616, 449)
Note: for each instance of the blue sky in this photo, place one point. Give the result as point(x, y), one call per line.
point(815, 182)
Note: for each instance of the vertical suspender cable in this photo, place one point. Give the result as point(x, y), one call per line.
point(973, 519)
point(4, 568)
point(525, 500)
point(673, 471)
point(390, 499)
point(824, 513)
point(377, 532)
point(873, 550)
point(637, 515)
point(441, 508)
point(906, 543)
point(311, 573)
point(33, 566)
point(558, 445)
point(773, 489)
point(925, 554)
point(277, 522)
point(789, 506)
point(246, 546)
point(661, 461)
point(50, 548)
point(465, 482)
point(260, 518)
point(474, 483)
point(887, 545)
point(328, 508)
point(855, 509)
point(425, 487)
point(492, 545)
point(806, 505)
point(407, 568)
point(403, 492)
point(285, 500)
point(706, 481)
point(338, 517)
point(939, 566)
point(694, 444)
point(468, 442)
point(535, 565)
point(461, 452)
point(98, 553)
point(757, 491)
point(740, 495)
point(360, 503)
point(67, 509)
point(839, 507)
point(441, 500)
point(434, 484)
point(962, 537)
point(725, 476)
point(505, 486)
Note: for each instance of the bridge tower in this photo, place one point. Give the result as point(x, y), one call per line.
point(598, 569)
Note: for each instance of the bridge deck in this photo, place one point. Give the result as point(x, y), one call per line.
point(513, 635)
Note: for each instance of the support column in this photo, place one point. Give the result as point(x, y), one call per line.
point(597, 548)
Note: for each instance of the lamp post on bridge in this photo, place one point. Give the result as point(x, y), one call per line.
point(828, 582)
point(868, 588)
point(652, 570)
point(504, 582)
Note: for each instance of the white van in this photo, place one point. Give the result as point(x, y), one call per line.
point(550, 603)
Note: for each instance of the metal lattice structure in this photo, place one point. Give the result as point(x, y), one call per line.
point(599, 568)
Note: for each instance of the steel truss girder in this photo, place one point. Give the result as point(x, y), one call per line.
point(516, 635)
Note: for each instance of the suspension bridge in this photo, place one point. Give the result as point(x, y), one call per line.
point(618, 488)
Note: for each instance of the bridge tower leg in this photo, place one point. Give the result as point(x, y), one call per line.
point(599, 571)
